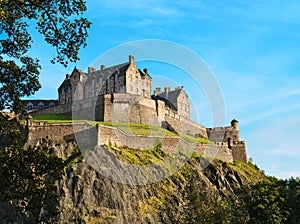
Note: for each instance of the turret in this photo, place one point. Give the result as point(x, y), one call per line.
point(235, 124)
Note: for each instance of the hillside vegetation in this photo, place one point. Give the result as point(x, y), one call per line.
point(221, 193)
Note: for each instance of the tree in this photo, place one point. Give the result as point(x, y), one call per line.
point(266, 202)
point(28, 175)
point(60, 24)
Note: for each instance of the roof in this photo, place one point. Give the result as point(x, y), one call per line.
point(110, 70)
point(36, 102)
point(170, 97)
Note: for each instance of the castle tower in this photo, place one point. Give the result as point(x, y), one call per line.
point(235, 124)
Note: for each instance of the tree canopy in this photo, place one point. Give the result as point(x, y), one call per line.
point(61, 25)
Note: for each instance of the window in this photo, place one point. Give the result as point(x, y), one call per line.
point(75, 76)
point(100, 80)
point(29, 107)
point(104, 91)
point(41, 106)
point(51, 104)
point(117, 77)
point(108, 80)
point(112, 89)
point(121, 88)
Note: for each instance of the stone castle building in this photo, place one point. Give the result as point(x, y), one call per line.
point(122, 94)
point(125, 78)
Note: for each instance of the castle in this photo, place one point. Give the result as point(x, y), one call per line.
point(122, 94)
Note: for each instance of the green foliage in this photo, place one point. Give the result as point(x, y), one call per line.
point(61, 26)
point(74, 158)
point(28, 175)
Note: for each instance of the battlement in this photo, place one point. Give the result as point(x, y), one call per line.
point(90, 136)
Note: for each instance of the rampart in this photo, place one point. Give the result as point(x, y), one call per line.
point(88, 136)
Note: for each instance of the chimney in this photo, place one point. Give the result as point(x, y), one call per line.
point(157, 91)
point(177, 88)
point(145, 71)
point(68, 76)
point(102, 67)
point(91, 69)
point(167, 89)
point(131, 58)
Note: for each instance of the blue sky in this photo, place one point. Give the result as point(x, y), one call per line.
point(252, 47)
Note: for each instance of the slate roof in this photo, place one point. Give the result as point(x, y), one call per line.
point(45, 102)
point(110, 70)
point(170, 98)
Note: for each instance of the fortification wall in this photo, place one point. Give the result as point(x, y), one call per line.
point(183, 125)
point(239, 151)
point(58, 132)
point(59, 109)
point(88, 136)
point(170, 144)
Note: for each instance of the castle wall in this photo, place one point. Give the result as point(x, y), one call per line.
point(239, 151)
point(169, 144)
point(183, 125)
point(58, 132)
point(88, 137)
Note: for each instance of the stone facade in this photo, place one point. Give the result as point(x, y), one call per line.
point(122, 94)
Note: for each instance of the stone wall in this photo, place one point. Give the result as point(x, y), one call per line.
point(169, 144)
point(239, 151)
point(58, 132)
point(88, 136)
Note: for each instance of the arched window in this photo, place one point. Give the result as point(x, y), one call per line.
point(41, 105)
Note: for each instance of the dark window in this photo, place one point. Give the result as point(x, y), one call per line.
point(117, 77)
point(112, 89)
point(29, 107)
point(121, 88)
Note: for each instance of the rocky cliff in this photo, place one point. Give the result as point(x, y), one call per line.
point(89, 197)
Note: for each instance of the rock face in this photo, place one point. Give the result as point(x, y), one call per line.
point(89, 197)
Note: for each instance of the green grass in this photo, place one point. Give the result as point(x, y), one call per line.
point(136, 156)
point(53, 118)
point(59, 118)
point(248, 170)
point(139, 129)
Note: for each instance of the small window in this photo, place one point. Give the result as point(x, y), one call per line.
point(108, 80)
point(104, 91)
point(117, 77)
point(75, 76)
point(112, 89)
point(121, 88)
point(29, 107)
